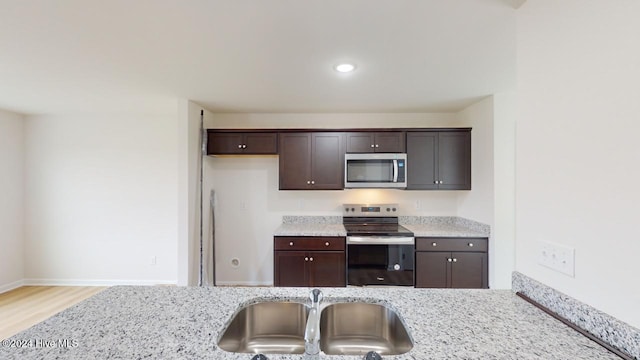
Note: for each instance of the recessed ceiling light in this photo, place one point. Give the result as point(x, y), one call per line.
point(345, 68)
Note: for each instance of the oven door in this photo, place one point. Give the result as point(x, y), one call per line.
point(380, 264)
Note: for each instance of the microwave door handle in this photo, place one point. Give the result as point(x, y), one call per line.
point(395, 171)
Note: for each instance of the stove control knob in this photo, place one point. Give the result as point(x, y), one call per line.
point(396, 267)
point(394, 209)
point(346, 209)
point(388, 209)
point(353, 209)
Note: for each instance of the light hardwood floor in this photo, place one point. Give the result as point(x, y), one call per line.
point(28, 305)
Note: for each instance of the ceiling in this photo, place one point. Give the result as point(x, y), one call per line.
point(83, 56)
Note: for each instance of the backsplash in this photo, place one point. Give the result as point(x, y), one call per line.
point(609, 329)
point(301, 220)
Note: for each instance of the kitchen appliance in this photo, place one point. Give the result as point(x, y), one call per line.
point(379, 250)
point(375, 170)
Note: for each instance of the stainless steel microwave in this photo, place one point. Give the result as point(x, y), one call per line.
point(375, 170)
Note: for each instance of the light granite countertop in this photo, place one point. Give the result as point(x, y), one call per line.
point(136, 322)
point(421, 226)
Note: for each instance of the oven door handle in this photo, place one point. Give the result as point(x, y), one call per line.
point(380, 240)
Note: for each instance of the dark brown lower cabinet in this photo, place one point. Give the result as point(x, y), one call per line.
point(451, 263)
point(309, 261)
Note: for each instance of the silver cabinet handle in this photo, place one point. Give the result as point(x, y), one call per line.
point(377, 145)
point(470, 244)
point(372, 145)
point(434, 244)
point(239, 146)
point(290, 243)
point(326, 244)
point(310, 259)
point(306, 259)
point(312, 182)
point(244, 146)
point(441, 182)
point(308, 182)
point(449, 259)
point(455, 260)
point(435, 182)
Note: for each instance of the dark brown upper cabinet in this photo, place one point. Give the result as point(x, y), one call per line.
point(249, 143)
point(311, 161)
point(439, 160)
point(382, 142)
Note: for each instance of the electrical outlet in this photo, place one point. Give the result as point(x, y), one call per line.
point(243, 205)
point(417, 204)
point(154, 260)
point(558, 257)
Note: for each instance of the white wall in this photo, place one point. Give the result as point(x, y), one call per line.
point(101, 195)
point(491, 200)
point(577, 147)
point(249, 206)
point(12, 200)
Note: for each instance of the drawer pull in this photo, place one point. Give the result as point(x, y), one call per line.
point(310, 259)
point(449, 259)
point(455, 260)
point(326, 244)
point(434, 244)
point(470, 244)
point(306, 259)
point(290, 243)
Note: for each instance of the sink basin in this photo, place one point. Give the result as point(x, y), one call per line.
point(267, 328)
point(357, 328)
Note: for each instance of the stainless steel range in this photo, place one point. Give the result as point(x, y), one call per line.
point(379, 250)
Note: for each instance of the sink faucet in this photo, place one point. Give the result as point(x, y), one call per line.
point(312, 331)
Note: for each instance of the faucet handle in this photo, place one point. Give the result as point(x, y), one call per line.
point(315, 296)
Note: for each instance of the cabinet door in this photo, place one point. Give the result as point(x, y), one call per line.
point(422, 154)
point(368, 142)
point(327, 268)
point(360, 142)
point(454, 160)
point(260, 143)
point(327, 161)
point(468, 270)
point(389, 142)
point(224, 143)
point(432, 270)
point(290, 268)
point(295, 161)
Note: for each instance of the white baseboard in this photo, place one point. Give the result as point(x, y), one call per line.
point(90, 282)
point(11, 286)
point(244, 283)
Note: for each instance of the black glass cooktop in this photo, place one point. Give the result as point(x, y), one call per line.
point(373, 227)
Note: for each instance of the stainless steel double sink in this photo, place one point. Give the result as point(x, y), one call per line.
point(346, 328)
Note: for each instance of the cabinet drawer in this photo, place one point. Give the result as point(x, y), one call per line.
point(451, 244)
point(317, 243)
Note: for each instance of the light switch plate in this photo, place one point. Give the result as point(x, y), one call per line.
point(558, 257)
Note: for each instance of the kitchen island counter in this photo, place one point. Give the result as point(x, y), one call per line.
point(134, 322)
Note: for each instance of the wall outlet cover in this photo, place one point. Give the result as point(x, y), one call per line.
point(557, 257)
